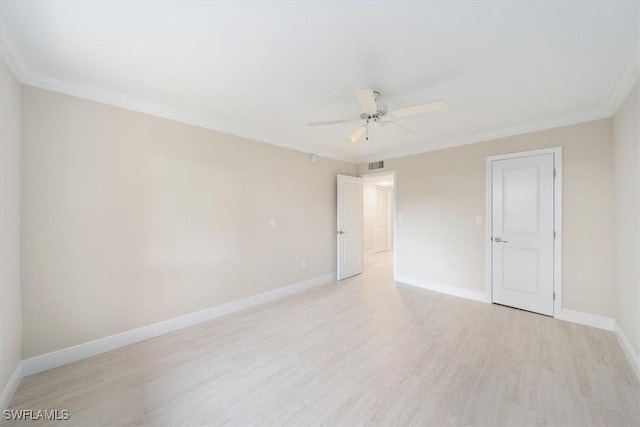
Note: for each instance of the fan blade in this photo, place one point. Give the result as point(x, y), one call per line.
point(357, 134)
point(428, 107)
point(397, 125)
point(367, 100)
point(332, 122)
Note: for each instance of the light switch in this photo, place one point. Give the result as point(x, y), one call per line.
point(479, 219)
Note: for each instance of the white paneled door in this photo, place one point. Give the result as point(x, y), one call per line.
point(523, 232)
point(349, 223)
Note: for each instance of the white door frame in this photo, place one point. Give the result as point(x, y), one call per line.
point(344, 273)
point(394, 235)
point(557, 221)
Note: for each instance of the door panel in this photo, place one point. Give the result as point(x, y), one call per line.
point(349, 223)
point(523, 218)
point(521, 200)
point(520, 269)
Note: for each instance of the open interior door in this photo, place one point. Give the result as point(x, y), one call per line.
point(349, 223)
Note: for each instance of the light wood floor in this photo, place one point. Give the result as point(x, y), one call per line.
point(362, 351)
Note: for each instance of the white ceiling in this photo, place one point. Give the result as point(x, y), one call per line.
point(265, 69)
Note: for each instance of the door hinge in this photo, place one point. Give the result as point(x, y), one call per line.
point(554, 173)
point(554, 234)
point(554, 296)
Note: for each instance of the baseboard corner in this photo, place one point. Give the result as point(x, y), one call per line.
point(12, 385)
point(587, 319)
point(632, 357)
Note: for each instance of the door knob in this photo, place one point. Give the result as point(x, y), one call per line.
point(498, 240)
point(341, 232)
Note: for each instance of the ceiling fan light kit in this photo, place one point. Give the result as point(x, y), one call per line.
point(375, 112)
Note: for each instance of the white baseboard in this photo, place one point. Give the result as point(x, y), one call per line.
point(632, 356)
point(588, 319)
point(579, 317)
point(82, 351)
point(444, 289)
point(11, 387)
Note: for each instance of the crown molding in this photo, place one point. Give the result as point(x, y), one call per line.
point(25, 75)
point(196, 119)
point(12, 56)
point(627, 78)
point(164, 111)
point(473, 138)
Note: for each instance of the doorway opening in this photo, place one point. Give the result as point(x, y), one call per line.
point(378, 228)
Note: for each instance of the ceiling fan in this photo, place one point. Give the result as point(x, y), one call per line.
point(375, 113)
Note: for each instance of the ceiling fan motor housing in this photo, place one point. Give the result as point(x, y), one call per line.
point(381, 111)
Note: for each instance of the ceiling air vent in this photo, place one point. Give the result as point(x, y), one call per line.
point(376, 165)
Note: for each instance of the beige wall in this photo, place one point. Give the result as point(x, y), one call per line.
point(10, 299)
point(439, 193)
point(130, 219)
point(626, 132)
